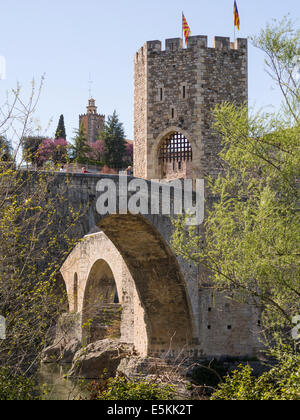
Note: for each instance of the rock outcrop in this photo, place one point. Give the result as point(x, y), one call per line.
point(61, 352)
point(98, 359)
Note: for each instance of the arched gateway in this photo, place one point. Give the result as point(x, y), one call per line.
point(175, 157)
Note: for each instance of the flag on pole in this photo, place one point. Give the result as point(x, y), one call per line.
point(186, 29)
point(236, 16)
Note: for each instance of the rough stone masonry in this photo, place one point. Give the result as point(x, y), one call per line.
point(176, 89)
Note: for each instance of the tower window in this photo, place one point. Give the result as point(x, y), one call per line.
point(161, 93)
point(183, 91)
point(75, 292)
point(173, 113)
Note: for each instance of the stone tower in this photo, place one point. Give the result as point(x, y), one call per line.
point(174, 93)
point(93, 122)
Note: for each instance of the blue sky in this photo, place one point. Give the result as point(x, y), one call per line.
point(70, 39)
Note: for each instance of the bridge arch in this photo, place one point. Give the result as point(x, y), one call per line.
point(101, 304)
point(165, 287)
point(159, 282)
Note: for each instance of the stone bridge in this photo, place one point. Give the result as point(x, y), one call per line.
point(125, 261)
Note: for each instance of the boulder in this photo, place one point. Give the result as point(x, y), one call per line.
point(98, 359)
point(61, 352)
point(70, 350)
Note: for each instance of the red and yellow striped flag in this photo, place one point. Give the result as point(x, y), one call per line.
point(236, 16)
point(186, 29)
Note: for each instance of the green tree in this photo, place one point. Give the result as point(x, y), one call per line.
point(61, 130)
point(281, 382)
point(16, 387)
point(115, 143)
point(5, 150)
point(121, 388)
point(34, 241)
point(252, 232)
point(30, 146)
point(80, 150)
point(280, 42)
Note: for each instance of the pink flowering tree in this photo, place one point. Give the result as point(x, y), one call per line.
point(53, 150)
point(96, 154)
point(60, 150)
point(45, 151)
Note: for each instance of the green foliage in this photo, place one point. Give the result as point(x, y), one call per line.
point(115, 144)
point(121, 388)
point(5, 150)
point(36, 234)
point(209, 374)
point(16, 387)
point(282, 382)
point(252, 230)
point(61, 130)
point(30, 147)
point(80, 150)
point(35, 238)
point(281, 43)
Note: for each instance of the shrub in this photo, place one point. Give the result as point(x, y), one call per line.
point(16, 387)
point(209, 374)
point(121, 388)
point(282, 382)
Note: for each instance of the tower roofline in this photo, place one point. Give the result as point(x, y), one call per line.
point(193, 42)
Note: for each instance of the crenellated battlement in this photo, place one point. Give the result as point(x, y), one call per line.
point(194, 42)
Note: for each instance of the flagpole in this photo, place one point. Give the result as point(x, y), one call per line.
point(182, 29)
point(234, 22)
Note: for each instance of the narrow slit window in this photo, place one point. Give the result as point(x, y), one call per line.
point(116, 297)
point(75, 293)
point(184, 92)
